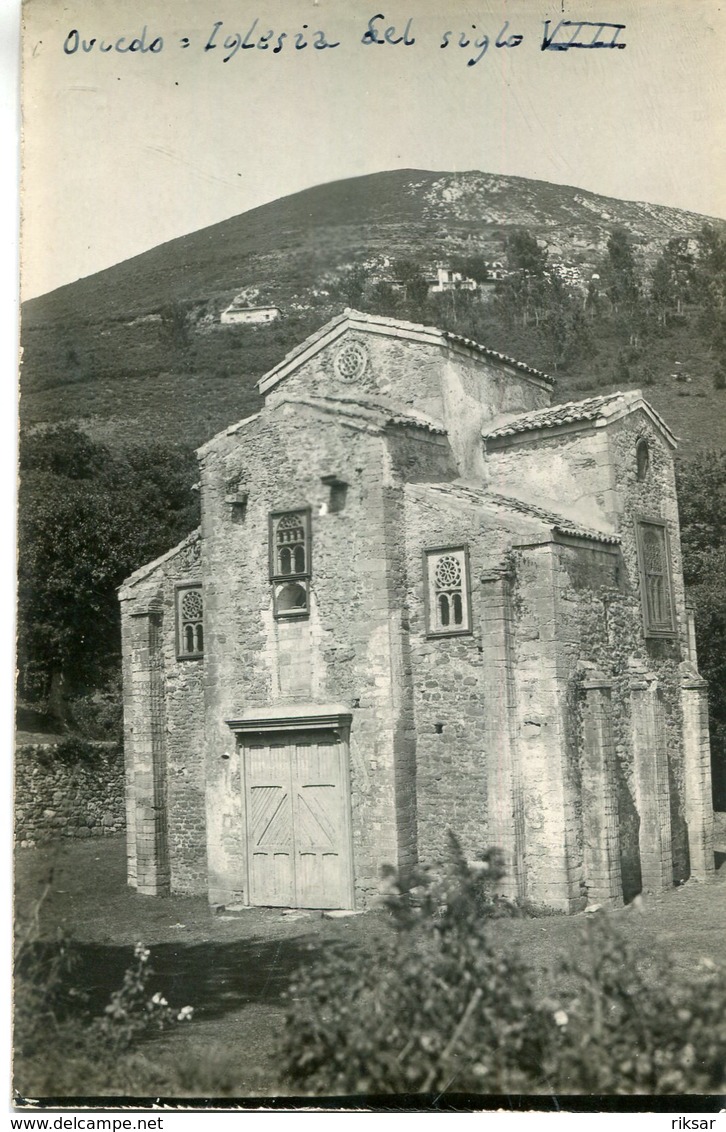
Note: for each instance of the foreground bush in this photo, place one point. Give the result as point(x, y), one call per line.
point(436, 1009)
point(430, 1010)
point(630, 1028)
point(60, 1050)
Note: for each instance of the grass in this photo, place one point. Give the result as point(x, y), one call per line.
point(234, 970)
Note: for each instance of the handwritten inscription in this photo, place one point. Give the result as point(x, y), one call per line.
point(581, 34)
point(225, 44)
point(390, 35)
point(264, 41)
point(481, 44)
point(123, 45)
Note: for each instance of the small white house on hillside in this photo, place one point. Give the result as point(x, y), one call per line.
point(238, 312)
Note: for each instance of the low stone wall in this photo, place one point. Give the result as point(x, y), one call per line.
point(62, 794)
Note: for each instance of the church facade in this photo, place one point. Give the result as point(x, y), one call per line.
point(421, 599)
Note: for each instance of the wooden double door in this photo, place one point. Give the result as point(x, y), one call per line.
point(298, 820)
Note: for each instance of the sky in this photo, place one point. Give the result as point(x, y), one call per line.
point(125, 150)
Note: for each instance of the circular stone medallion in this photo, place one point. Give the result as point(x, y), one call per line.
point(351, 361)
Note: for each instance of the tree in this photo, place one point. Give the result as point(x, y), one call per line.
point(354, 282)
point(702, 501)
point(563, 327)
point(414, 281)
point(710, 290)
point(522, 296)
point(533, 295)
point(472, 267)
point(88, 517)
point(622, 282)
point(671, 280)
point(174, 326)
point(711, 258)
point(525, 255)
point(383, 299)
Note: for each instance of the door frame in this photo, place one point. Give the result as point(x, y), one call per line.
point(274, 723)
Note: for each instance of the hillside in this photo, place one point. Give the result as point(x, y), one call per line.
point(137, 350)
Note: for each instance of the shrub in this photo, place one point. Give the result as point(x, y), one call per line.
point(436, 1008)
point(59, 1049)
point(132, 1012)
point(99, 714)
point(628, 1029)
point(72, 751)
point(43, 995)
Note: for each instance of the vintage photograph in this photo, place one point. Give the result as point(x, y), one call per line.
point(371, 599)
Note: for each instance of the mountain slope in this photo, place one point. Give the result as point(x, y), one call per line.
point(137, 350)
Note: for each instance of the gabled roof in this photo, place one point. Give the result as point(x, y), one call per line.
point(560, 525)
point(149, 567)
point(371, 409)
point(237, 305)
point(378, 411)
point(481, 497)
point(470, 344)
point(393, 328)
point(595, 411)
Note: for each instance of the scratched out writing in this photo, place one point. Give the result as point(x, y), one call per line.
point(224, 44)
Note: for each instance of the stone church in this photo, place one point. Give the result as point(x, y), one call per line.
point(420, 600)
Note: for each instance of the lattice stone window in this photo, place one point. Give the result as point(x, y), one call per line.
point(189, 622)
point(659, 615)
point(351, 361)
point(448, 600)
point(290, 562)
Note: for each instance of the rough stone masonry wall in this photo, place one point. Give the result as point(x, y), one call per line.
point(545, 726)
point(178, 730)
point(454, 738)
point(459, 389)
point(569, 473)
point(60, 798)
point(601, 628)
point(578, 625)
point(658, 659)
point(450, 727)
point(409, 373)
point(579, 581)
point(413, 456)
point(184, 695)
point(146, 851)
point(601, 624)
point(344, 652)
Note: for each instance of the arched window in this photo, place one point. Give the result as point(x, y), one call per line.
point(290, 542)
point(642, 459)
point(190, 630)
point(447, 591)
point(290, 558)
point(290, 597)
point(284, 559)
